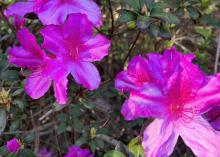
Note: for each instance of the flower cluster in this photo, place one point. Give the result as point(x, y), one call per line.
point(14, 145)
point(177, 93)
point(75, 151)
point(71, 46)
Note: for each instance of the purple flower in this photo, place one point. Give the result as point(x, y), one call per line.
point(177, 93)
point(74, 48)
point(45, 69)
point(43, 152)
point(56, 11)
point(75, 151)
point(13, 145)
point(74, 44)
point(213, 117)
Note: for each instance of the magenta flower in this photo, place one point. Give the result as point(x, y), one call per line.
point(45, 69)
point(56, 11)
point(213, 117)
point(13, 145)
point(74, 44)
point(43, 152)
point(173, 90)
point(75, 151)
point(74, 48)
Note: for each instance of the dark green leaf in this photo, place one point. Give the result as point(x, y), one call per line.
point(26, 153)
point(136, 4)
point(168, 17)
point(9, 75)
point(127, 16)
point(3, 120)
point(193, 12)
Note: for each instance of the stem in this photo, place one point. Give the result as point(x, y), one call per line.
point(112, 17)
point(131, 47)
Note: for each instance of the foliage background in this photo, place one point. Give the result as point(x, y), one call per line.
point(93, 119)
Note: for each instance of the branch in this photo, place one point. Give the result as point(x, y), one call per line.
point(131, 47)
point(112, 17)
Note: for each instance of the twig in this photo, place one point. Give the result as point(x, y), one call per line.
point(131, 47)
point(37, 136)
point(112, 17)
point(217, 56)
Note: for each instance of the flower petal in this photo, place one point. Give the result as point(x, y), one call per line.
point(29, 43)
point(53, 39)
point(95, 49)
point(69, 37)
point(19, 8)
point(159, 139)
point(60, 90)
point(23, 58)
point(29, 54)
point(37, 85)
point(147, 103)
point(86, 74)
point(207, 96)
point(200, 137)
point(135, 76)
point(125, 82)
point(57, 12)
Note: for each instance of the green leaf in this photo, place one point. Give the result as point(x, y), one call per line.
point(3, 151)
point(61, 128)
point(29, 138)
point(136, 4)
point(114, 153)
point(80, 141)
point(3, 120)
point(3, 65)
point(168, 17)
point(20, 103)
point(26, 153)
point(208, 20)
point(9, 75)
point(136, 147)
point(205, 32)
point(127, 16)
point(143, 23)
point(193, 13)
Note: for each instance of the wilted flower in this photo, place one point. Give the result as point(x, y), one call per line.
point(76, 151)
point(56, 11)
point(5, 98)
point(176, 92)
point(13, 145)
point(43, 152)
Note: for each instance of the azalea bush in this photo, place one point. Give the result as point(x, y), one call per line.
point(104, 78)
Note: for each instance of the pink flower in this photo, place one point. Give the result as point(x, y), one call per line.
point(74, 48)
point(213, 117)
point(74, 44)
point(176, 92)
point(13, 145)
point(56, 11)
point(75, 151)
point(43, 152)
point(45, 69)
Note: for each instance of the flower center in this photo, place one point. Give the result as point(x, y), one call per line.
point(181, 112)
point(73, 52)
